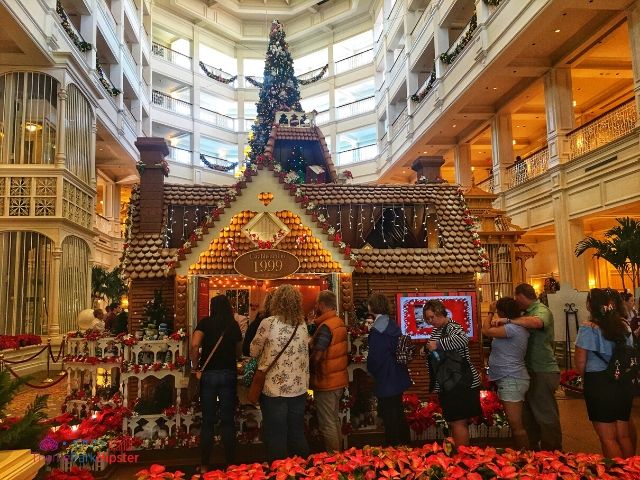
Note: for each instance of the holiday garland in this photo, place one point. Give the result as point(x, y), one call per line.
point(316, 77)
point(470, 225)
point(447, 57)
point(418, 96)
point(219, 168)
point(216, 77)
point(111, 90)
point(253, 82)
point(66, 25)
point(493, 3)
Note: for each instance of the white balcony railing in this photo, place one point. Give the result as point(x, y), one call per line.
point(397, 65)
point(364, 105)
point(108, 15)
point(180, 155)
point(171, 56)
point(322, 117)
point(488, 184)
point(248, 123)
point(359, 154)
point(217, 119)
point(167, 102)
point(354, 61)
point(399, 122)
point(528, 168)
point(602, 130)
point(129, 118)
point(107, 227)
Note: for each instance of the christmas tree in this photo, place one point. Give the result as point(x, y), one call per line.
point(279, 91)
point(296, 163)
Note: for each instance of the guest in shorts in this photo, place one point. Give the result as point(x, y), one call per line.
point(608, 400)
point(460, 403)
point(506, 364)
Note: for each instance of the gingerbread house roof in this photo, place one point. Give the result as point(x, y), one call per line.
point(281, 133)
point(147, 254)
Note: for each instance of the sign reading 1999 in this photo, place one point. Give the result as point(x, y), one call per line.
point(267, 264)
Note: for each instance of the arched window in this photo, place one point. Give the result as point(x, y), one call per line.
point(25, 288)
point(28, 118)
point(78, 124)
point(73, 293)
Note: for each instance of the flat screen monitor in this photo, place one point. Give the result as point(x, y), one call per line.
point(460, 308)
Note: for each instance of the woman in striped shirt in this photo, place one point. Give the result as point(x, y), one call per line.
point(461, 402)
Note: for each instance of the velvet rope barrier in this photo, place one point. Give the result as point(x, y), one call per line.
point(39, 387)
point(57, 358)
point(26, 359)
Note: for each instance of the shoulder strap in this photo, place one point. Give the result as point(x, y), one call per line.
point(213, 350)
point(282, 351)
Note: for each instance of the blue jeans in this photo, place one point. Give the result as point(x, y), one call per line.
point(218, 386)
point(283, 426)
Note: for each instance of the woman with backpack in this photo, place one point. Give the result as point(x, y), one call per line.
point(506, 364)
point(390, 377)
point(602, 352)
point(451, 372)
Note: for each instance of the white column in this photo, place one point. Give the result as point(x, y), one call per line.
point(502, 150)
point(53, 327)
point(441, 44)
point(92, 152)
point(571, 269)
point(633, 24)
point(558, 100)
point(462, 159)
point(61, 154)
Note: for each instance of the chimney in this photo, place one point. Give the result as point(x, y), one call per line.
point(428, 167)
point(152, 152)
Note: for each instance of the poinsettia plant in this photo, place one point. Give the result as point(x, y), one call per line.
point(16, 341)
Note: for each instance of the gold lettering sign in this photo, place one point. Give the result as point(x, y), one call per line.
point(267, 264)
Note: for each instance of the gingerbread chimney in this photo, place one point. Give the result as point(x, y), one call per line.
point(152, 152)
point(428, 167)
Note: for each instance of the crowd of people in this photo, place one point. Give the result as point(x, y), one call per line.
point(522, 364)
point(115, 321)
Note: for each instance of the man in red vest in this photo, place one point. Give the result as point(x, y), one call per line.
point(328, 365)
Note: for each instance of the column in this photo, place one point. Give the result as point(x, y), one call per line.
point(331, 69)
point(572, 269)
point(502, 150)
point(92, 153)
point(462, 160)
point(558, 102)
point(633, 24)
point(440, 43)
point(53, 327)
point(482, 11)
point(61, 155)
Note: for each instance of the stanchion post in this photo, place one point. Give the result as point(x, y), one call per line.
point(48, 379)
point(1, 362)
point(61, 355)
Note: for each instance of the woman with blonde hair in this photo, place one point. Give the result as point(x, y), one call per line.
point(281, 346)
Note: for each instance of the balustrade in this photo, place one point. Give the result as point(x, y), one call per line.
point(359, 154)
point(602, 130)
point(399, 122)
point(167, 102)
point(364, 105)
point(354, 61)
point(170, 55)
point(218, 119)
point(488, 184)
point(180, 155)
point(528, 168)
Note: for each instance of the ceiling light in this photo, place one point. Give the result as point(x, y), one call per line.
point(454, 125)
point(424, 152)
point(495, 88)
point(557, 30)
point(32, 127)
point(575, 103)
point(514, 141)
point(404, 171)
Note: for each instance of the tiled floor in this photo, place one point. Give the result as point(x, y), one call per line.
point(578, 433)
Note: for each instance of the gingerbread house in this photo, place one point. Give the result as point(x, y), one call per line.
point(402, 240)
